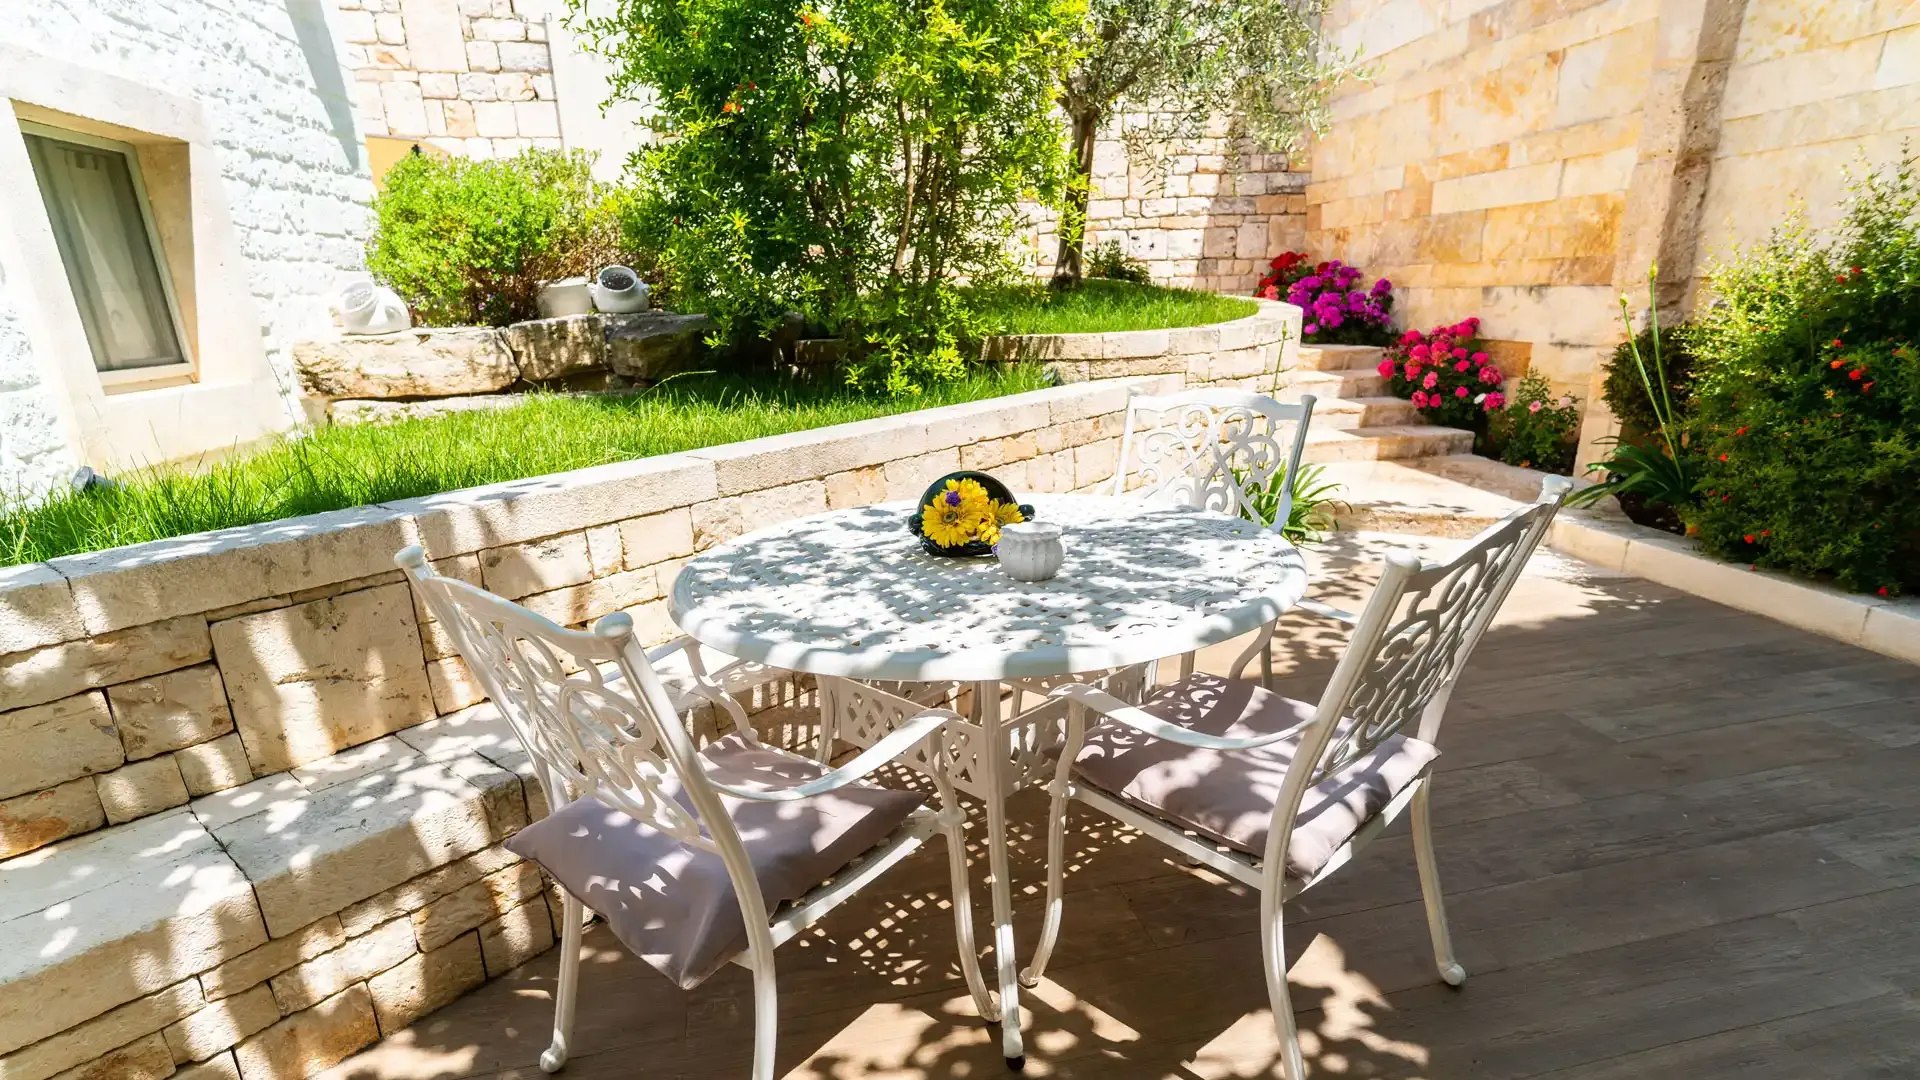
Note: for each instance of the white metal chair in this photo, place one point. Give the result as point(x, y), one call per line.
point(1216, 449)
point(1279, 794)
point(756, 843)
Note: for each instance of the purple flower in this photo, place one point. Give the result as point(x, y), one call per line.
point(1310, 328)
point(1382, 287)
point(953, 498)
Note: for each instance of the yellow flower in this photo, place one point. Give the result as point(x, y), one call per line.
point(947, 526)
point(985, 528)
point(972, 495)
point(1007, 513)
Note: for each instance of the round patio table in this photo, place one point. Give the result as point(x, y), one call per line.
point(851, 593)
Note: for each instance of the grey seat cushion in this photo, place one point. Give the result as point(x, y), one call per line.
point(674, 905)
point(1229, 796)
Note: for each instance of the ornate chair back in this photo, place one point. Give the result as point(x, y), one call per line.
point(1224, 450)
point(1407, 650)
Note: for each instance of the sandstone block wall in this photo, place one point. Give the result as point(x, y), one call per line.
point(253, 801)
point(1528, 161)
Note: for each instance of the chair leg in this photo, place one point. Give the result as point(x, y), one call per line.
point(1450, 970)
point(962, 895)
point(766, 1014)
point(1266, 664)
point(1273, 955)
point(1056, 860)
point(567, 985)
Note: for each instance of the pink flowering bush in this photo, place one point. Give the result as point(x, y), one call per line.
point(1447, 375)
point(1336, 310)
point(1537, 429)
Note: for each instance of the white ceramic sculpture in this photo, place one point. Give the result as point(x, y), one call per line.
point(617, 290)
point(568, 296)
point(366, 308)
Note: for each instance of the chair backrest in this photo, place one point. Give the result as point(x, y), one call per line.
point(1215, 449)
point(1409, 646)
point(587, 733)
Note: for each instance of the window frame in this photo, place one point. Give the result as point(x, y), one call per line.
point(156, 375)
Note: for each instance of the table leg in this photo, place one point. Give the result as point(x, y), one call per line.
point(986, 701)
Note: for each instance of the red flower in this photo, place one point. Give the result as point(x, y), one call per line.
point(1838, 363)
point(731, 106)
point(1837, 343)
point(1766, 532)
point(1723, 457)
point(1741, 431)
point(1883, 590)
point(1748, 538)
point(1856, 374)
point(1866, 388)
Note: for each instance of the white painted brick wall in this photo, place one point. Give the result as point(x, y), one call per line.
point(295, 173)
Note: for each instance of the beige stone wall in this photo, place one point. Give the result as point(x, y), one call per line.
point(252, 805)
point(1527, 160)
point(1212, 221)
point(472, 77)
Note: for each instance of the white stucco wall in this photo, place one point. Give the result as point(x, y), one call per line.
point(268, 75)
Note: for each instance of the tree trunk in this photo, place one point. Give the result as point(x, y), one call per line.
point(1069, 266)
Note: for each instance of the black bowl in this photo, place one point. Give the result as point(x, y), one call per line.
point(996, 491)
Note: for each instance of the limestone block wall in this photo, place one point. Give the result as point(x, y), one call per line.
point(252, 804)
point(1213, 220)
point(472, 77)
point(1528, 162)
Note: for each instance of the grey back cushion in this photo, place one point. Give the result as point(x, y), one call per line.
point(674, 905)
point(1230, 795)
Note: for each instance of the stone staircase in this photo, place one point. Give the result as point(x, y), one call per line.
point(1354, 418)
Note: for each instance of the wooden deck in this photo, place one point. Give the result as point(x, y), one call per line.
point(1678, 841)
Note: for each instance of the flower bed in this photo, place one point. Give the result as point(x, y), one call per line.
point(1334, 312)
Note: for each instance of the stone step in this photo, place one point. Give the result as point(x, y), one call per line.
point(1332, 384)
point(1348, 413)
point(1339, 357)
point(1383, 443)
point(369, 887)
point(1400, 497)
point(1497, 477)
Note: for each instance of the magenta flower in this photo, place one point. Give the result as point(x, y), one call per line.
point(1432, 380)
point(1534, 406)
point(1481, 358)
point(1310, 328)
point(1385, 369)
point(1420, 352)
point(1490, 375)
point(1419, 399)
point(1459, 391)
point(1411, 337)
point(1461, 365)
point(1496, 400)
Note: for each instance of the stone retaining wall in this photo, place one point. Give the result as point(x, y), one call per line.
point(1244, 353)
point(306, 795)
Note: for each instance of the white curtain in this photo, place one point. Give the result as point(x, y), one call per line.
point(110, 261)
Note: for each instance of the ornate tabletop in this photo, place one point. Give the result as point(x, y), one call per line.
point(851, 593)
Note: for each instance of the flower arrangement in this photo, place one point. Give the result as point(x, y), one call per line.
point(1447, 374)
point(1336, 312)
point(1536, 430)
point(962, 514)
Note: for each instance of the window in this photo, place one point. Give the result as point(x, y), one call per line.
point(105, 233)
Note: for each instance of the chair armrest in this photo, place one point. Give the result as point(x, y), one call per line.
point(1148, 724)
point(661, 652)
point(1315, 607)
point(894, 744)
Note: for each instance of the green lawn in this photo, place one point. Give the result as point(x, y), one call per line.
point(1097, 305)
point(332, 468)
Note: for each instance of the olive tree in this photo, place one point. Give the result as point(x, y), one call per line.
point(1161, 70)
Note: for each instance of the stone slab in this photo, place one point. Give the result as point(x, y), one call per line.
point(149, 582)
point(427, 981)
point(140, 789)
point(308, 1042)
point(88, 663)
point(53, 743)
point(146, 1058)
point(113, 916)
point(103, 1034)
point(170, 711)
point(553, 348)
point(222, 1024)
point(518, 570)
point(42, 817)
point(248, 970)
point(214, 766)
point(649, 346)
point(458, 522)
point(355, 961)
point(311, 854)
point(39, 606)
point(411, 363)
point(312, 679)
point(516, 937)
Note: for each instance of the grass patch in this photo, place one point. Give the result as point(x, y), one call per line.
point(1098, 306)
point(333, 468)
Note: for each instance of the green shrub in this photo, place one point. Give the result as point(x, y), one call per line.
point(1110, 260)
point(1535, 430)
point(1807, 396)
point(1627, 397)
point(849, 162)
point(466, 241)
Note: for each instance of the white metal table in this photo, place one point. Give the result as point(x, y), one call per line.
point(850, 593)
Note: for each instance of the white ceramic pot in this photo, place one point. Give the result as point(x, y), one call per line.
point(617, 290)
point(366, 308)
point(1031, 550)
point(568, 296)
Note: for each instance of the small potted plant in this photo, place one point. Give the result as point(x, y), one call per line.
point(617, 290)
point(960, 514)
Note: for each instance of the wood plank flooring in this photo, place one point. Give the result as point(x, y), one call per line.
point(1677, 841)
